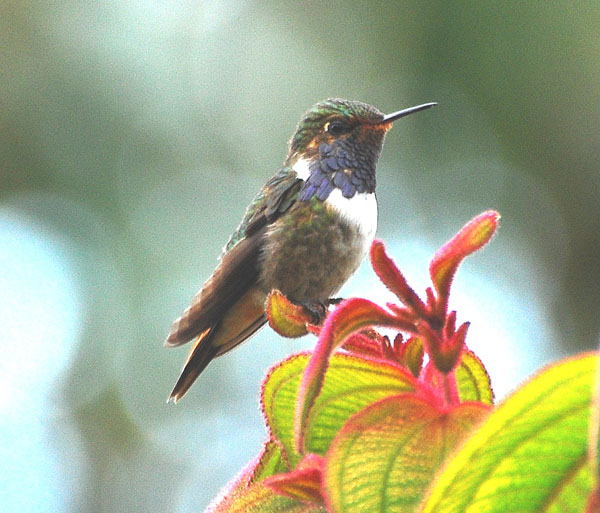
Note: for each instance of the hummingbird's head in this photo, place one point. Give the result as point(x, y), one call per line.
point(338, 120)
point(341, 141)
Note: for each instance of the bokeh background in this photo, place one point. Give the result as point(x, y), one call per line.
point(132, 135)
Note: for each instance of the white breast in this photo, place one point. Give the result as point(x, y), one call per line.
point(360, 210)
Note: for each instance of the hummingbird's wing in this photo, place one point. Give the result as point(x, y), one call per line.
point(230, 307)
point(236, 273)
point(274, 199)
point(238, 269)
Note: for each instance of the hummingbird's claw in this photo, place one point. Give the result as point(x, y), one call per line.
point(317, 310)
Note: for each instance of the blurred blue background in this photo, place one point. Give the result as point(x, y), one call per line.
point(133, 134)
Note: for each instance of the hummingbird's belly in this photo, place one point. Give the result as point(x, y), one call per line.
point(312, 250)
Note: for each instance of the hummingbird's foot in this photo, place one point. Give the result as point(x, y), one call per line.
point(317, 310)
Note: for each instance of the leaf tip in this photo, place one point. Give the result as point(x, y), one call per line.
point(286, 318)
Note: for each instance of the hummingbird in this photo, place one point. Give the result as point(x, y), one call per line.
point(305, 233)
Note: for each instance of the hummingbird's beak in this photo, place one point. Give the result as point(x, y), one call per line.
point(388, 118)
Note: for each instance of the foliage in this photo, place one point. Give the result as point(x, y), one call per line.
point(410, 425)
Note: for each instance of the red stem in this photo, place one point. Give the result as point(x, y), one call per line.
point(450, 388)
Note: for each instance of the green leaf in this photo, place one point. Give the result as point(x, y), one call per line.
point(258, 498)
point(286, 318)
point(303, 483)
point(271, 461)
point(351, 383)
point(349, 317)
point(531, 453)
point(594, 444)
point(473, 380)
point(386, 456)
point(413, 353)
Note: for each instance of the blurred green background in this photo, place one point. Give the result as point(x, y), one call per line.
point(134, 133)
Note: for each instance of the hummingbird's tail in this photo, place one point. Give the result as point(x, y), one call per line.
point(207, 346)
point(230, 329)
point(201, 354)
point(228, 309)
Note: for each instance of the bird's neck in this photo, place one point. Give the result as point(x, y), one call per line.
point(325, 172)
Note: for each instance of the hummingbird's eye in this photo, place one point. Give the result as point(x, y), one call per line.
point(335, 127)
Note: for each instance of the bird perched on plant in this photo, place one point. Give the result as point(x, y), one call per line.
point(305, 233)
